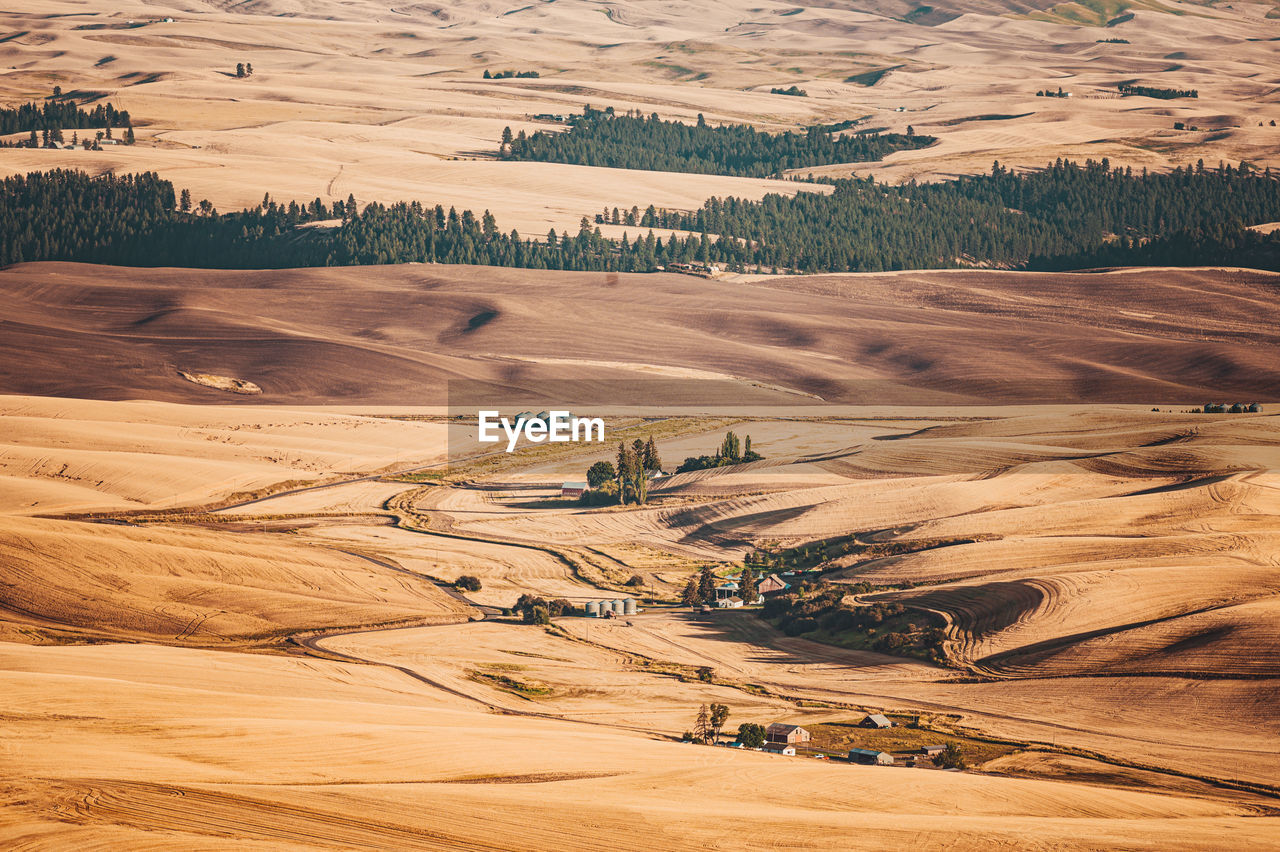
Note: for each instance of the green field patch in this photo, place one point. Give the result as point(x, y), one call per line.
point(870, 78)
point(525, 689)
point(904, 736)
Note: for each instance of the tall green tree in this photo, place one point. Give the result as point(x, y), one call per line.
point(706, 584)
point(600, 473)
point(652, 461)
point(719, 715)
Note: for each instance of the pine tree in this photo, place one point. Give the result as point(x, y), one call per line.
point(747, 587)
point(651, 459)
point(240, 70)
point(702, 725)
point(707, 584)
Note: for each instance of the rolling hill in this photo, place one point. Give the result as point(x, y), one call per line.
point(396, 334)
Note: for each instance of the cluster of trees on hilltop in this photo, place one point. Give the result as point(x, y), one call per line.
point(1157, 92)
point(633, 141)
point(57, 113)
point(507, 75)
point(628, 482)
point(1067, 216)
point(732, 450)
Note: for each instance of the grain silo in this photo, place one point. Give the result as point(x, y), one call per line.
point(629, 606)
point(593, 609)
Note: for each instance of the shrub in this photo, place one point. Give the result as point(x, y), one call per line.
point(950, 757)
point(775, 607)
point(467, 583)
point(839, 621)
point(605, 494)
point(751, 735)
point(798, 626)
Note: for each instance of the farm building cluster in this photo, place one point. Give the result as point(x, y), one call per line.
point(787, 740)
point(703, 270)
point(728, 592)
point(1233, 408)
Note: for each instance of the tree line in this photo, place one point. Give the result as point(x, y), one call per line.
point(1157, 92)
point(1004, 218)
point(732, 450)
point(58, 113)
point(634, 141)
point(509, 74)
point(1066, 216)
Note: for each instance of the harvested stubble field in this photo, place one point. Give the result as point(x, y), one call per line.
point(1113, 560)
point(1048, 616)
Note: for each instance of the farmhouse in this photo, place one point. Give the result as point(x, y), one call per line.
point(727, 589)
point(780, 748)
point(931, 750)
point(870, 757)
point(729, 603)
point(875, 720)
point(573, 490)
point(780, 732)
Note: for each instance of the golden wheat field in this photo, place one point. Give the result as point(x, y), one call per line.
point(261, 579)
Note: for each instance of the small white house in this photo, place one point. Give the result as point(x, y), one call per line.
point(780, 748)
point(729, 603)
point(727, 589)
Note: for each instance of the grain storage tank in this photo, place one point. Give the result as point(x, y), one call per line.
point(593, 609)
point(629, 606)
point(617, 607)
